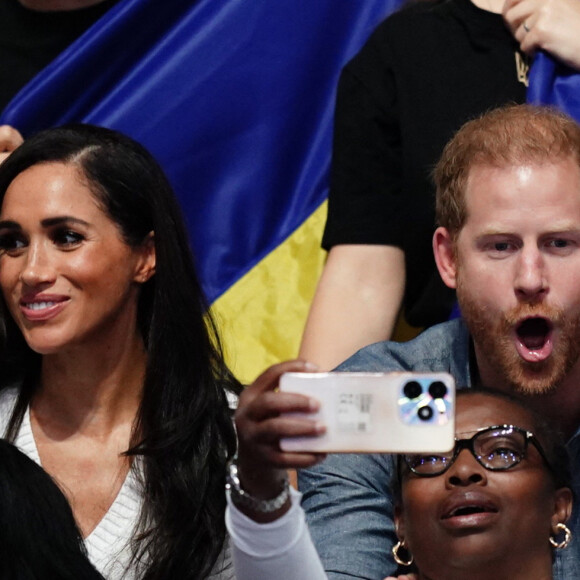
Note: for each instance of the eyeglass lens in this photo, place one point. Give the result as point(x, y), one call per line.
point(496, 449)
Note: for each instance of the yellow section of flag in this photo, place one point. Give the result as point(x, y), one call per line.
point(261, 317)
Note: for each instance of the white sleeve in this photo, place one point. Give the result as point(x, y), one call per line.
point(281, 549)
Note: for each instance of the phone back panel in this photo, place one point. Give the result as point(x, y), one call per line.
point(397, 412)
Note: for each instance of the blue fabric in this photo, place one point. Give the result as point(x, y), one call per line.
point(455, 311)
point(553, 83)
point(347, 498)
point(234, 98)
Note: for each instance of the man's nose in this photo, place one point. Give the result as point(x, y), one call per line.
point(530, 276)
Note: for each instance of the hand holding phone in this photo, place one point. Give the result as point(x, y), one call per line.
point(396, 412)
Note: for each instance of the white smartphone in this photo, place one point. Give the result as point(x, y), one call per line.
point(396, 412)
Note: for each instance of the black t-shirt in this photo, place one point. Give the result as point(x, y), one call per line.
point(29, 40)
point(424, 71)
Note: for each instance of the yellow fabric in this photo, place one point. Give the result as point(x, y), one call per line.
point(262, 316)
point(403, 331)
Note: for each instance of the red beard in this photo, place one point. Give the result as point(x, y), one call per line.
point(493, 333)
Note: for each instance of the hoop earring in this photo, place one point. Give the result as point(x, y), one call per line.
point(398, 558)
point(567, 536)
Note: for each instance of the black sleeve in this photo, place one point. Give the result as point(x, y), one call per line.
point(365, 186)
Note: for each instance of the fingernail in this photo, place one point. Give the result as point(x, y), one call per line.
point(313, 405)
point(320, 428)
point(310, 366)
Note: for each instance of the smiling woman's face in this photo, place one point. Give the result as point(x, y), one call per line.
point(469, 517)
point(66, 274)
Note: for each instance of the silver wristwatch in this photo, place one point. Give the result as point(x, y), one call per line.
point(242, 498)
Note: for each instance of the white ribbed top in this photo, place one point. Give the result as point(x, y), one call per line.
point(108, 544)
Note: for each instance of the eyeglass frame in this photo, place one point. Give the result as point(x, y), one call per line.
point(461, 444)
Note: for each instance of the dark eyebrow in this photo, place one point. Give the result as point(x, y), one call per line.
point(46, 223)
point(10, 225)
point(59, 220)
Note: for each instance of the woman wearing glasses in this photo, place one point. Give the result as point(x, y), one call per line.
point(494, 508)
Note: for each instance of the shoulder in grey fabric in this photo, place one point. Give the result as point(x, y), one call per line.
point(347, 498)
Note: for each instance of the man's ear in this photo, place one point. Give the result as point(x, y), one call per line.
point(445, 258)
point(146, 264)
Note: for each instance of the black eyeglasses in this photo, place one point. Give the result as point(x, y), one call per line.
point(496, 448)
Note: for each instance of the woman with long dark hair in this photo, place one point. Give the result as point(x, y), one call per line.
point(112, 375)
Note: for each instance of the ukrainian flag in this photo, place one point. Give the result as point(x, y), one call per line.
point(556, 84)
point(235, 98)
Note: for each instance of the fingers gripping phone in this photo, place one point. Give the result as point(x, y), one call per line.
point(396, 412)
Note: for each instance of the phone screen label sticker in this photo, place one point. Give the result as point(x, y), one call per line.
point(354, 412)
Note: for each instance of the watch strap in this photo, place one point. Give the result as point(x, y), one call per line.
point(242, 498)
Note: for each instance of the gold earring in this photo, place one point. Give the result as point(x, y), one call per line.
point(398, 558)
point(567, 536)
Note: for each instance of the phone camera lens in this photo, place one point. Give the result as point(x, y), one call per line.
point(437, 390)
point(412, 390)
point(425, 413)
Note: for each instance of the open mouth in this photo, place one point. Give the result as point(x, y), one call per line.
point(534, 332)
point(468, 510)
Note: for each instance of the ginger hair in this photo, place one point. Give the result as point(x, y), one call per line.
point(507, 136)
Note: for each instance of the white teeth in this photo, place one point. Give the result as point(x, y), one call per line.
point(39, 305)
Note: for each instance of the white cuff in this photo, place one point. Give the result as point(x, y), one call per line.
point(282, 549)
point(270, 539)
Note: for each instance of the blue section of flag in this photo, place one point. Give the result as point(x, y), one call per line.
point(234, 97)
point(554, 83)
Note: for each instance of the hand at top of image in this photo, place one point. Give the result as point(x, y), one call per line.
point(550, 25)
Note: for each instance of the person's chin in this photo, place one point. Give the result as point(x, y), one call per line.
point(533, 378)
point(470, 547)
point(45, 344)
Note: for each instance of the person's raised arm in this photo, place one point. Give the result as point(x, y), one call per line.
point(261, 423)
point(266, 524)
point(550, 25)
point(360, 292)
point(357, 302)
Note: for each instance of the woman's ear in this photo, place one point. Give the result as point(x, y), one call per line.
point(563, 501)
point(399, 522)
point(445, 258)
point(146, 264)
